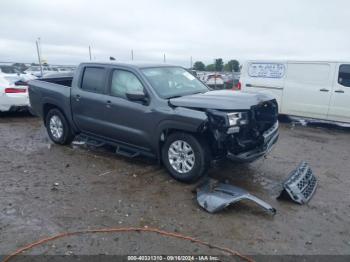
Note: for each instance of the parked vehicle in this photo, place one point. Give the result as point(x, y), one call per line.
point(230, 82)
point(7, 69)
point(13, 94)
point(319, 90)
point(160, 111)
point(13, 74)
point(214, 81)
point(36, 71)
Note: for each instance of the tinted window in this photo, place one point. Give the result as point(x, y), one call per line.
point(124, 82)
point(344, 75)
point(94, 79)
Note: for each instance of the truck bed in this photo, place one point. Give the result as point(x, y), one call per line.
point(50, 91)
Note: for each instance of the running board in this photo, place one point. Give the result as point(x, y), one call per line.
point(121, 149)
point(127, 151)
point(95, 143)
point(90, 141)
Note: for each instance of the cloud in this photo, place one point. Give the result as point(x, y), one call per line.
point(202, 29)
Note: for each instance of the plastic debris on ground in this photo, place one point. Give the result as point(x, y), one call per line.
point(214, 196)
point(300, 186)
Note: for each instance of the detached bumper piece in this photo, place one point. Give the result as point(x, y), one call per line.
point(214, 196)
point(300, 185)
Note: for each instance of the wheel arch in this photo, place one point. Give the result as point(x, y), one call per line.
point(168, 127)
point(49, 105)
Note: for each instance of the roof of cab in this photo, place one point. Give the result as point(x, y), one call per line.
point(138, 65)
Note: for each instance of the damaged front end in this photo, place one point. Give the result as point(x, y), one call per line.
point(245, 135)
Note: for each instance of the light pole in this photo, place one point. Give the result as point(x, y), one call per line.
point(39, 55)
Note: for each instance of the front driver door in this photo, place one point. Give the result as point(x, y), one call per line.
point(129, 121)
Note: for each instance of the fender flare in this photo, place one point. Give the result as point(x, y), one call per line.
point(174, 125)
point(63, 108)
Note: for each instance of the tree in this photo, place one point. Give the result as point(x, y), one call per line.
point(232, 65)
point(199, 65)
point(210, 67)
point(20, 66)
point(219, 64)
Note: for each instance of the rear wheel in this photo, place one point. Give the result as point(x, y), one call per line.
point(185, 157)
point(58, 128)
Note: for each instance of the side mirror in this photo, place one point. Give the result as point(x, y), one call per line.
point(139, 96)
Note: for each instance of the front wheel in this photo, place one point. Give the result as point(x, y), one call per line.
point(58, 128)
point(185, 157)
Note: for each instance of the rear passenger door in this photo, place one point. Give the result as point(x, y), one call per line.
point(308, 89)
point(89, 100)
point(339, 109)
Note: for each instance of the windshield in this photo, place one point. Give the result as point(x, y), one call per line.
point(173, 81)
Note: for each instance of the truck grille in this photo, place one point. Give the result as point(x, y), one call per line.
point(301, 184)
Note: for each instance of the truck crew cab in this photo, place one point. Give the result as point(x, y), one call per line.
point(160, 111)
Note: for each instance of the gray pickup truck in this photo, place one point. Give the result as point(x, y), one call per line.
point(160, 111)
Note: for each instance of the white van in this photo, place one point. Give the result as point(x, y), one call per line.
point(319, 90)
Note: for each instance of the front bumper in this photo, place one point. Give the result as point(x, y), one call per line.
point(270, 138)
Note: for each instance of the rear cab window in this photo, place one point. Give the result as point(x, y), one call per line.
point(344, 75)
point(93, 80)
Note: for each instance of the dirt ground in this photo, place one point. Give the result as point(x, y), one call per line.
point(48, 189)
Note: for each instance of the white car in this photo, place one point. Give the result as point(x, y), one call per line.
point(319, 90)
point(36, 71)
point(12, 97)
point(13, 74)
point(214, 80)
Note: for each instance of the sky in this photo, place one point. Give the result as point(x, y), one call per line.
point(181, 29)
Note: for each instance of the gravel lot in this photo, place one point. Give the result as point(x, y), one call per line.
point(96, 189)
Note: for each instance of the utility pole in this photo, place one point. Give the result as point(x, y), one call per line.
point(132, 55)
point(164, 58)
point(39, 55)
point(90, 52)
point(215, 73)
point(191, 63)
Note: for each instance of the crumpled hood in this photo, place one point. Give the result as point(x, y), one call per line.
point(222, 100)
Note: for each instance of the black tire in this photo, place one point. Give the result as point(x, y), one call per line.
point(67, 135)
point(201, 156)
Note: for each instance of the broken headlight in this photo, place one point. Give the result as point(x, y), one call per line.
point(237, 118)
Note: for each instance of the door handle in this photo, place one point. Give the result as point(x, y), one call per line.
point(108, 104)
point(248, 85)
point(77, 98)
point(339, 91)
point(324, 90)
